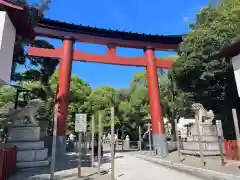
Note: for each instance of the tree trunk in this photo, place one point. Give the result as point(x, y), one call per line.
point(173, 132)
point(175, 115)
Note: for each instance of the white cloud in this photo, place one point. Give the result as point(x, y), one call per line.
point(186, 19)
point(202, 7)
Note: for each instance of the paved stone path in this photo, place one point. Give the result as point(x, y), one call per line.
point(129, 167)
point(213, 163)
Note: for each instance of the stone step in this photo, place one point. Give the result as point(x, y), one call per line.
point(32, 155)
point(204, 138)
point(195, 146)
point(206, 129)
point(28, 145)
point(197, 152)
point(33, 164)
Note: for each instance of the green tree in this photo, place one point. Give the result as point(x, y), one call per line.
point(80, 92)
point(7, 94)
point(210, 80)
point(36, 68)
point(122, 111)
point(175, 103)
point(101, 100)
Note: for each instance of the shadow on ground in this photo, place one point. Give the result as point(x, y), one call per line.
point(66, 168)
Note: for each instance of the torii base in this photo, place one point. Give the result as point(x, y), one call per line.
point(160, 145)
point(60, 145)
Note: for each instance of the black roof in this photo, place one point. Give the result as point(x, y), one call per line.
point(94, 31)
point(229, 51)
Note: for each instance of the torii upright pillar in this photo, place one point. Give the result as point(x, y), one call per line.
point(158, 132)
point(65, 71)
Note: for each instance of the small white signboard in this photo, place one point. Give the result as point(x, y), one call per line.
point(236, 68)
point(81, 122)
point(219, 128)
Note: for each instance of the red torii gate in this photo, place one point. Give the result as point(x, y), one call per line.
point(70, 33)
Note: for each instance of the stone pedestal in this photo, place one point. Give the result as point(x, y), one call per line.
point(126, 143)
point(210, 142)
point(31, 151)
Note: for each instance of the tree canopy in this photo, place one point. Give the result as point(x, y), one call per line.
point(198, 71)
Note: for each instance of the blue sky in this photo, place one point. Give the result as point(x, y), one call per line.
point(143, 16)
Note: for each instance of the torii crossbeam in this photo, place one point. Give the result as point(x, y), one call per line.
point(109, 58)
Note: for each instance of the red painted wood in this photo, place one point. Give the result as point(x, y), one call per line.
point(11, 5)
point(226, 150)
point(110, 58)
point(7, 162)
point(64, 86)
point(154, 95)
point(43, 52)
point(231, 150)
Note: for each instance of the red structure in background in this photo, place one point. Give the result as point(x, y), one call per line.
point(231, 150)
point(154, 94)
point(8, 157)
point(70, 33)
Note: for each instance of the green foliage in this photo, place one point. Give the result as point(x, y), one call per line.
point(101, 98)
point(79, 94)
point(7, 94)
point(36, 68)
point(210, 80)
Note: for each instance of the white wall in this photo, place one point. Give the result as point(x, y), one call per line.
point(7, 40)
point(236, 68)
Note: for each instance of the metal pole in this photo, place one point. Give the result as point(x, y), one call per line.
point(178, 143)
point(112, 145)
point(79, 154)
point(235, 119)
point(16, 99)
point(93, 129)
point(198, 118)
point(99, 140)
point(54, 143)
point(84, 142)
point(122, 136)
point(139, 137)
point(149, 138)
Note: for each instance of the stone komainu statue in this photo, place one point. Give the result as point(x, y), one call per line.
point(207, 116)
point(29, 111)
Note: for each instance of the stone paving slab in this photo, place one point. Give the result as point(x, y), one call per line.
point(212, 163)
point(192, 165)
point(128, 167)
